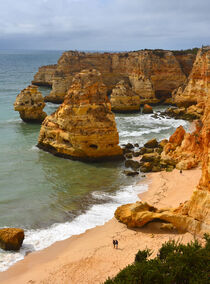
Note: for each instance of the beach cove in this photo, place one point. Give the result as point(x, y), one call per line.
point(69, 197)
point(90, 257)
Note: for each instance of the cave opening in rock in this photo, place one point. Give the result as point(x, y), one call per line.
point(93, 146)
point(162, 94)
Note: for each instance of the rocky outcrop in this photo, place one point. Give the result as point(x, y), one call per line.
point(123, 99)
point(30, 104)
point(11, 238)
point(195, 89)
point(44, 77)
point(83, 127)
point(153, 74)
point(147, 109)
point(186, 150)
point(139, 214)
point(190, 113)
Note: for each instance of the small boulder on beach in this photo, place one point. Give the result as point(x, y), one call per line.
point(11, 238)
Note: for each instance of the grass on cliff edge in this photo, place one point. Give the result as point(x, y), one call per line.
point(175, 264)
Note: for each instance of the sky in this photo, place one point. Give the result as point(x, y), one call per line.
point(112, 25)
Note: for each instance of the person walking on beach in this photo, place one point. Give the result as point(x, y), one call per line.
point(114, 243)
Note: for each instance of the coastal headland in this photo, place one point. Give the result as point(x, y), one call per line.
point(184, 191)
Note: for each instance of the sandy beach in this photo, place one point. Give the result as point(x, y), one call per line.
point(90, 257)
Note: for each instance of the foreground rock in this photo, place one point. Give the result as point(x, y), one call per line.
point(83, 127)
point(123, 99)
point(11, 238)
point(139, 214)
point(30, 104)
point(153, 74)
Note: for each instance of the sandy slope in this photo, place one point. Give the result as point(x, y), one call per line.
point(90, 257)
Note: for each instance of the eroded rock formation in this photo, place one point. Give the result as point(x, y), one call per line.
point(11, 238)
point(44, 77)
point(189, 149)
point(123, 99)
point(195, 89)
point(153, 74)
point(30, 104)
point(83, 127)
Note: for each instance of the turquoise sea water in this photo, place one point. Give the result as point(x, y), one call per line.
point(54, 198)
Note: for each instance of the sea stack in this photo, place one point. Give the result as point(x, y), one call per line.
point(30, 104)
point(83, 127)
point(123, 99)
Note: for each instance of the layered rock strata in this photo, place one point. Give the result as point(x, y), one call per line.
point(123, 99)
point(44, 77)
point(30, 103)
point(153, 74)
point(195, 89)
point(83, 127)
point(189, 149)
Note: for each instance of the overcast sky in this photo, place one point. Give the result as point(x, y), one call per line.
point(104, 24)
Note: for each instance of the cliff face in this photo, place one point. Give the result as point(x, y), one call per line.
point(195, 89)
point(123, 99)
point(83, 127)
point(44, 77)
point(153, 73)
point(30, 104)
point(189, 149)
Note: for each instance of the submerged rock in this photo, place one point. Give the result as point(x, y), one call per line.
point(30, 104)
point(83, 127)
point(11, 238)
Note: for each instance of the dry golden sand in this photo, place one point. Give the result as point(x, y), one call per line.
point(90, 257)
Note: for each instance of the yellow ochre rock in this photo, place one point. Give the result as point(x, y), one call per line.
point(83, 127)
point(11, 238)
point(30, 104)
point(123, 99)
point(187, 149)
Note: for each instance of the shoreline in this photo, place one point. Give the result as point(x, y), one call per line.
point(90, 257)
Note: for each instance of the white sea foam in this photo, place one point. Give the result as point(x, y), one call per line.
point(35, 148)
point(97, 215)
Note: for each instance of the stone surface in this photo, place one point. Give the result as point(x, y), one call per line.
point(123, 99)
point(44, 77)
point(186, 150)
point(30, 104)
point(11, 238)
point(83, 127)
point(152, 143)
point(147, 109)
point(153, 74)
point(194, 90)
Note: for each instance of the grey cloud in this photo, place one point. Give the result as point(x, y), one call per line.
point(104, 24)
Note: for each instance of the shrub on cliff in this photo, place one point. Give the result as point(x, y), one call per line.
point(175, 264)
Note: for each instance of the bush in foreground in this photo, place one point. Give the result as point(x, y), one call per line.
point(175, 264)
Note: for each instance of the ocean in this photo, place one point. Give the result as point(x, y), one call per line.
point(49, 197)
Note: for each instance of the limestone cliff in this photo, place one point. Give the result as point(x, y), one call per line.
point(195, 89)
point(153, 74)
point(30, 104)
point(83, 127)
point(123, 99)
point(189, 149)
point(44, 77)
